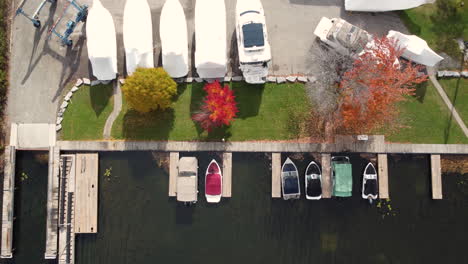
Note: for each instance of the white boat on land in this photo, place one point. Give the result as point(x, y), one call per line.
point(252, 40)
point(138, 35)
point(290, 180)
point(313, 182)
point(213, 182)
point(174, 43)
point(101, 42)
point(187, 180)
point(370, 189)
point(210, 39)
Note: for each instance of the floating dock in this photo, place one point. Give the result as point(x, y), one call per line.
point(173, 163)
point(276, 175)
point(227, 174)
point(436, 176)
point(86, 193)
point(382, 165)
point(8, 202)
point(326, 176)
point(52, 203)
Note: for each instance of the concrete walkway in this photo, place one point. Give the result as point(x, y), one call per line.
point(115, 112)
point(449, 104)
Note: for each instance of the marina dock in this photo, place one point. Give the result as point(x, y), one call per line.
point(382, 167)
point(52, 203)
point(227, 174)
point(66, 224)
point(326, 176)
point(436, 176)
point(173, 162)
point(276, 175)
point(8, 202)
point(86, 193)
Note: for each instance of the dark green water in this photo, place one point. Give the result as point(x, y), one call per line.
point(138, 223)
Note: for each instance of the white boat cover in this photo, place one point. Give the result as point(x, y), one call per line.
point(101, 42)
point(210, 38)
point(383, 5)
point(187, 180)
point(416, 49)
point(138, 35)
point(174, 43)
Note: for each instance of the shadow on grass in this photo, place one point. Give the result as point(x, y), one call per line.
point(449, 121)
point(410, 24)
point(100, 96)
point(155, 125)
point(420, 91)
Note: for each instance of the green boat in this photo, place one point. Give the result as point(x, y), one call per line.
point(342, 176)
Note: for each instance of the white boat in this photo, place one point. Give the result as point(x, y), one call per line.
point(369, 183)
point(252, 40)
point(174, 43)
point(101, 42)
point(138, 35)
point(290, 180)
point(213, 182)
point(313, 182)
point(382, 6)
point(187, 180)
point(210, 39)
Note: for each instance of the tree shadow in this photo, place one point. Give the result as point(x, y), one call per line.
point(154, 125)
point(100, 96)
point(449, 122)
point(248, 98)
point(420, 91)
point(410, 24)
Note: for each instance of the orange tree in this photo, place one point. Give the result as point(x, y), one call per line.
point(219, 108)
point(373, 86)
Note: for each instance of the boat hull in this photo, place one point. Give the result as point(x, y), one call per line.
point(213, 182)
point(370, 183)
point(313, 177)
point(290, 181)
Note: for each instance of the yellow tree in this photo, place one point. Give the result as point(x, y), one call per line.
point(149, 89)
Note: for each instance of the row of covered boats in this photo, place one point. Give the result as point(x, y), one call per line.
point(342, 180)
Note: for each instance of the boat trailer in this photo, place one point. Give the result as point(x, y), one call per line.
point(71, 24)
point(34, 18)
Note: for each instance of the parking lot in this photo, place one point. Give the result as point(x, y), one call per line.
point(40, 68)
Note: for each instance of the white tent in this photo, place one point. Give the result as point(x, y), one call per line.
point(383, 5)
point(101, 42)
point(416, 49)
point(210, 38)
point(138, 35)
point(174, 43)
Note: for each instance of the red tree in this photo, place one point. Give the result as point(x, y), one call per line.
point(373, 86)
point(220, 107)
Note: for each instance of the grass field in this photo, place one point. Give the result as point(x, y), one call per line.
point(87, 113)
point(426, 119)
point(266, 112)
point(457, 91)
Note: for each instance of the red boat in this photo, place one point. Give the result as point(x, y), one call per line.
point(213, 183)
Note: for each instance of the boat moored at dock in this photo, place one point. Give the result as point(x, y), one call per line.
point(342, 177)
point(187, 180)
point(313, 182)
point(290, 180)
point(213, 183)
point(369, 183)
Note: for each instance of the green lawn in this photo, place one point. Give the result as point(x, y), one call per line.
point(87, 113)
point(438, 27)
point(426, 119)
point(265, 112)
point(457, 91)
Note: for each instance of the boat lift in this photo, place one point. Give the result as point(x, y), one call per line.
point(34, 18)
point(71, 24)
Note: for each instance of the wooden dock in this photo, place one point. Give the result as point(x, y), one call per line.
point(276, 175)
point(382, 164)
point(8, 202)
point(52, 204)
point(227, 174)
point(173, 163)
point(86, 193)
point(436, 176)
point(326, 176)
point(66, 233)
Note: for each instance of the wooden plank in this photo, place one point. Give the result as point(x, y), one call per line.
point(173, 163)
point(382, 163)
point(276, 175)
point(52, 204)
point(227, 174)
point(86, 193)
point(8, 202)
point(436, 175)
point(326, 176)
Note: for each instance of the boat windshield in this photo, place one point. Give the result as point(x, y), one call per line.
point(253, 35)
point(289, 167)
point(187, 173)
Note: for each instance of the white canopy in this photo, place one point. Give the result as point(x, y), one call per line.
point(210, 38)
point(383, 5)
point(138, 35)
point(174, 43)
point(101, 42)
point(416, 49)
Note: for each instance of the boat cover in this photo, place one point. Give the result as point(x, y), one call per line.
point(314, 186)
point(101, 42)
point(291, 184)
point(213, 184)
point(370, 188)
point(416, 49)
point(138, 35)
point(210, 38)
point(187, 181)
point(383, 5)
point(343, 180)
point(174, 43)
